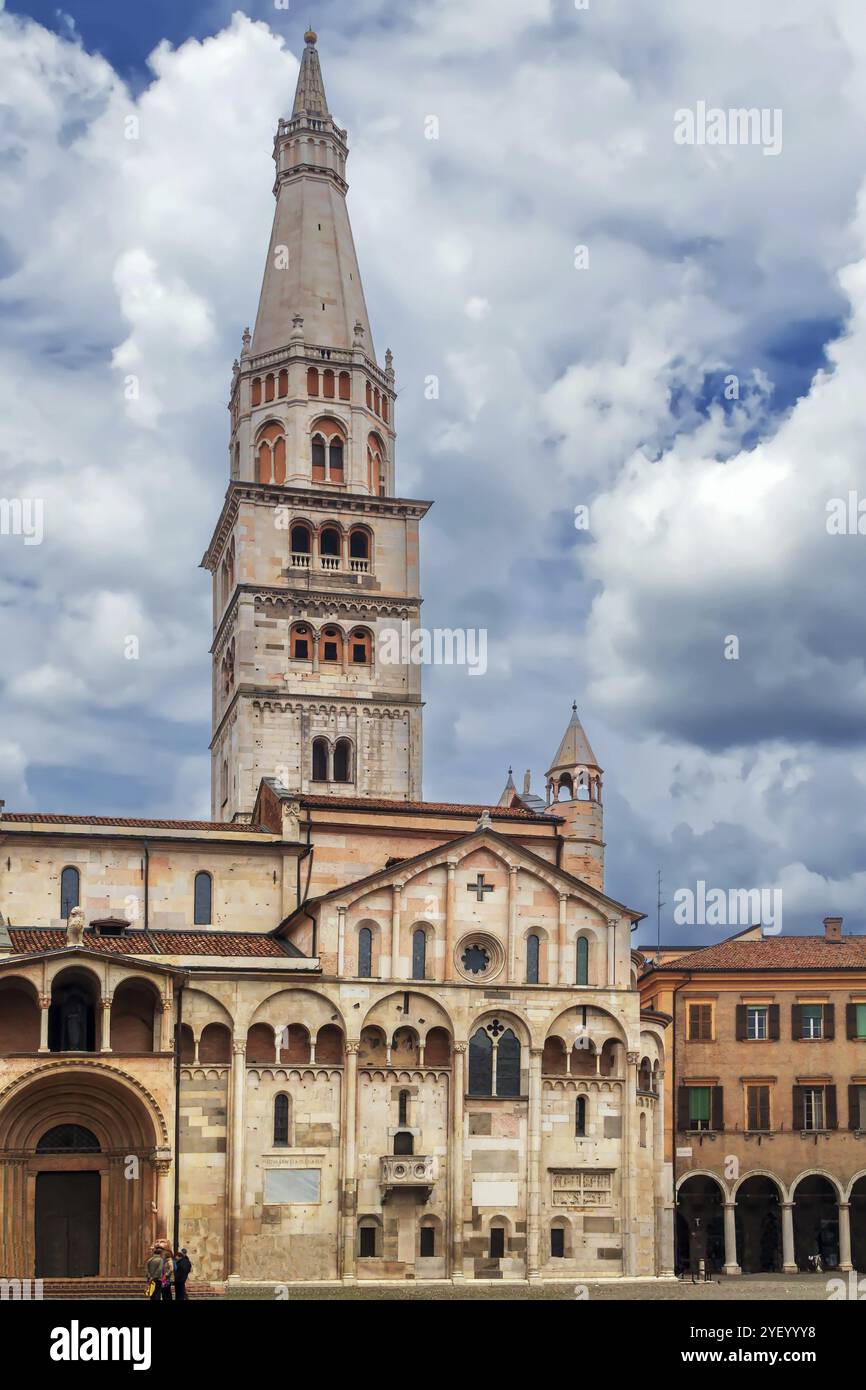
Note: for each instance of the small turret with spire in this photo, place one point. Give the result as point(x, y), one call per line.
point(574, 783)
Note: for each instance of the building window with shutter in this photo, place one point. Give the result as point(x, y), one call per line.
point(857, 1020)
point(857, 1107)
point(757, 1107)
point(813, 1107)
point(757, 1022)
point(700, 1022)
point(699, 1107)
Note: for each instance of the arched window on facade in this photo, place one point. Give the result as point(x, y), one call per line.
point(301, 642)
point(330, 546)
point(359, 551)
point(319, 459)
point(302, 545)
point(532, 959)
point(269, 386)
point(375, 466)
point(320, 760)
point(419, 954)
point(360, 647)
point(283, 383)
point(343, 760)
point(508, 1065)
point(256, 391)
point(345, 386)
point(642, 1124)
point(335, 460)
point(494, 1061)
point(70, 890)
point(271, 453)
point(328, 385)
point(203, 899)
point(580, 1117)
point(365, 953)
point(331, 645)
point(281, 1121)
point(582, 953)
point(312, 382)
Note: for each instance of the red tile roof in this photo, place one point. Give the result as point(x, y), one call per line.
point(136, 942)
point(123, 822)
point(775, 953)
point(442, 808)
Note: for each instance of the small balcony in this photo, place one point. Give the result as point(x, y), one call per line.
point(410, 1172)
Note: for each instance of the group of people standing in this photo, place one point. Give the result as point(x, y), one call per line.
point(167, 1273)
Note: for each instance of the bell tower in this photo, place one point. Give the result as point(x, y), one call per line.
point(574, 784)
point(314, 555)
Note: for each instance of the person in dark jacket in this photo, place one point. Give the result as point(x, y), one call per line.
point(182, 1267)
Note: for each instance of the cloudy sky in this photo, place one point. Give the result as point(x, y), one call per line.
point(696, 377)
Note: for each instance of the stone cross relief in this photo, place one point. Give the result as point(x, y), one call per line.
point(479, 887)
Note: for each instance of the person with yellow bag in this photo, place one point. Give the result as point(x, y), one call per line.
point(160, 1273)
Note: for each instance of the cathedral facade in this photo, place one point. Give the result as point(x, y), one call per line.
point(336, 1032)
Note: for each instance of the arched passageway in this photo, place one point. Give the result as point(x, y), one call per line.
point(858, 1225)
point(759, 1226)
point(700, 1224)
point(816, 1222)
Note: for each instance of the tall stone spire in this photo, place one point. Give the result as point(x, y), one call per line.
point(312, 267)
point(574, 782)
point(310, 99)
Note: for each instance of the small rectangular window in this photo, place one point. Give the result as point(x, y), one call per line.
point(700, 1022)
point(699, 1107)
point(428, 1242)
point(330, 651)
point(359, 653)
point(367, 1242)
point(557, 1243)
point(757, 1016)
point(302, 650)
point(497, 1242)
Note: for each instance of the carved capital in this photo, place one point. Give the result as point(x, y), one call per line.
point(460, 1047)
point(45, 1001)
point(353, 1047)
point(162, 1166)
point(239, 1047)
point(106, 1001)
point(633, 1058)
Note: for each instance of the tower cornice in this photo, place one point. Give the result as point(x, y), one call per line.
point(312, 498)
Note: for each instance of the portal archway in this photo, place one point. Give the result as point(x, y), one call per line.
point(816, 1221)
point(79, 1143)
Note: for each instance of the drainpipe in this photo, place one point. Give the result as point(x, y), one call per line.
point(177, 1042)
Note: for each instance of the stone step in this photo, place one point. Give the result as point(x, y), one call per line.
point(130, 1289)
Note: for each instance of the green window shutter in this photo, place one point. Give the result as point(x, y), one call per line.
point(860, 1020)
